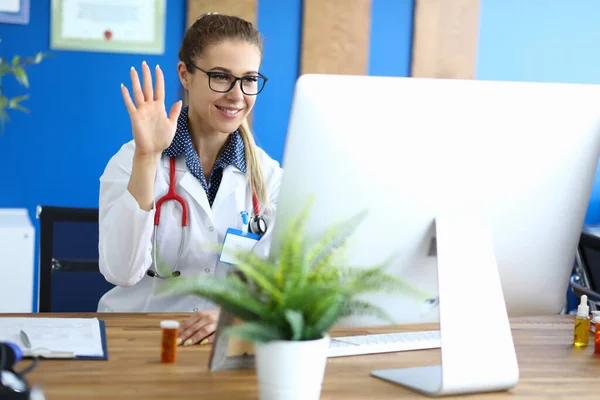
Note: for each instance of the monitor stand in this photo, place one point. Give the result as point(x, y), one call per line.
point(477, 350)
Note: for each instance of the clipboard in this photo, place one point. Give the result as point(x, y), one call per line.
point(54, 338)
point(102, 327)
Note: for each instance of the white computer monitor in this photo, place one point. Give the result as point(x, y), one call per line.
point(409, 150)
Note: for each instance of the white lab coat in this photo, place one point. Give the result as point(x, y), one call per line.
point(126, 231)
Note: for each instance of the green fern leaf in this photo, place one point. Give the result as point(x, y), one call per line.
point(296, 321)
point(230, 293)
point(335, 309)
point(261, 280)
point(362, 308)
point(374, 279)
point(301, 294)
point(291, 256)
point(263, 267)
point(255, 332)
point(334, 237)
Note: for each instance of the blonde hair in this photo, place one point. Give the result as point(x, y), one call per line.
point(213, 28)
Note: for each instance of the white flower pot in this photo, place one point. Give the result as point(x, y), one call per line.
point(291, 370)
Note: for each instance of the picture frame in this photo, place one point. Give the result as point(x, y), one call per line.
point(229, 352)
point(14, 11)
point(80, 26)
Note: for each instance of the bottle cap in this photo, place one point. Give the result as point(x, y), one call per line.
point(169, 324)
point(583, 310)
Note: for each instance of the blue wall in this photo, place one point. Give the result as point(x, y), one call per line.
point(56, 155)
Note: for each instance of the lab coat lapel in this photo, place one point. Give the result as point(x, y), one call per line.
point(190, 183)
point(233, 182)
point(193, 186)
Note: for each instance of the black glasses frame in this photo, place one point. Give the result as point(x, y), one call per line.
point(235, 80)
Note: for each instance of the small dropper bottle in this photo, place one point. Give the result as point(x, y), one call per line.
point(582, 324)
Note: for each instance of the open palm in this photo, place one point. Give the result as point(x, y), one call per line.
point(153, 129)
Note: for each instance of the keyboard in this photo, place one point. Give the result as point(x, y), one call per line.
point(383, 343)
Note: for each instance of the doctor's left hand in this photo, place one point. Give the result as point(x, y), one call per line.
point(199, 327)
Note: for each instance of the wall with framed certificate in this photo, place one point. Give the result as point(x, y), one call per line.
point(119, 26)
point(14, 11)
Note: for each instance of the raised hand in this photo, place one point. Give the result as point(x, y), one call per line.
point(153, 129)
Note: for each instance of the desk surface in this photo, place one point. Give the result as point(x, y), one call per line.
point(549, 366)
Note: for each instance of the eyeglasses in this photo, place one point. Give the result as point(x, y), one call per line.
point(222, 82)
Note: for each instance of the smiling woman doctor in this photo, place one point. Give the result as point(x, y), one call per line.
point(207, 154)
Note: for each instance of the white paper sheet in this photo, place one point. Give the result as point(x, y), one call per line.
point(77, 335)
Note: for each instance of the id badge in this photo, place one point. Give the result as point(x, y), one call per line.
point(235, 241)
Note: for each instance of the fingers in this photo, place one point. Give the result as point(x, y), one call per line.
point(198, 331)
point(148, 91)
point(127, 98)
point(195, 317)
point(196, 328)
point(138, 95)
point(201, 335)
point(175, 110)
point(210, 339)
point(159, 92)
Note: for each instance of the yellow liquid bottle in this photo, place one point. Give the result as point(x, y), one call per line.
point(582, 324)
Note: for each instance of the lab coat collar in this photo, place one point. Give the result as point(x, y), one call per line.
point(233, 182)
point(179, 163)
point(188, 182)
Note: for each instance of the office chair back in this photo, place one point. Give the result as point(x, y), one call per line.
point(70, 280)
point(589, 251)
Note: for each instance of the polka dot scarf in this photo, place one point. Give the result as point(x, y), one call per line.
point(232, 155)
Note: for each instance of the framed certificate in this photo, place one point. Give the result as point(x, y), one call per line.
point(119, 26)
point(14, 11)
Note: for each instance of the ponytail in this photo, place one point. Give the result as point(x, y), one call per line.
point(253, 166)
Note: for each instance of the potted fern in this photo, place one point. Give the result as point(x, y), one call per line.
point(289, 303)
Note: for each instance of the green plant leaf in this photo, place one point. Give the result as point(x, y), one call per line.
point(255, 332)
point(261, 280)
point(261, 266)
point(14, 103)
point(291, 259)
point(21, 76)
point(334, 237)
point(375, 279)
point(16, 60)
point(330, 310)
point(296, 321)
point(362, 308)
point(5, 70)
point(300, 294)
point(230, 293)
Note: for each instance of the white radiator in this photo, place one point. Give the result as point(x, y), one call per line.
point(16, 261)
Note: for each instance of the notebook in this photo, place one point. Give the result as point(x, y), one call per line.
point(76, 338)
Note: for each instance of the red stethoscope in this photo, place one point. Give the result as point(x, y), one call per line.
point(256, 224)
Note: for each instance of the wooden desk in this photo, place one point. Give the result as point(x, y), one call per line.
point(549, 367)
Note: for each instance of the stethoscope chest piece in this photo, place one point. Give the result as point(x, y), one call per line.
point(257, 225)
